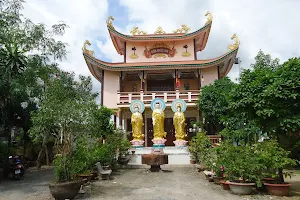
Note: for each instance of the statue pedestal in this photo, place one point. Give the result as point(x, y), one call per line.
point(137, 143)
point(159, 142)
point(180, 143)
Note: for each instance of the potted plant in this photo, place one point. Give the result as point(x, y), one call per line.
point(124, 157)
point(193, 151)
point(65, 186)
point(199, 149)
point(243, 168)
point(275, 160)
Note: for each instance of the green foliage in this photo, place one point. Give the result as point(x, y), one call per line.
point(3, 154)
point(65, 168)
point(270, 95)
point(26, 49)
point(199, 148)
point(100, 122)
point(213, 102)
point(273, 157)
point(241, 163)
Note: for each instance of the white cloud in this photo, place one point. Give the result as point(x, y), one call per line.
point(86, 20)
point(270, 25)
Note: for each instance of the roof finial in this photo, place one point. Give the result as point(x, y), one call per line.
point(236, 44)
point(209, 17)
point(159, 30)
point(109, 22)
point(136, 31)
point(184, 29)
point(85, 50)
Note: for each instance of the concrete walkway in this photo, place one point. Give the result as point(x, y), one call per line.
point(183, 183)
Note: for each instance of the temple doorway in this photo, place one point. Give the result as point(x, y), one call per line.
point(169, 128)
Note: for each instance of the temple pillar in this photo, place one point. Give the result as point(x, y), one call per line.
point(120, 119)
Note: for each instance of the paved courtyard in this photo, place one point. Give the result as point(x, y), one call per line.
point(139, 184)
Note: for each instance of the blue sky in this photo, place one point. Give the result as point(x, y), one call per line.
point(270, 25)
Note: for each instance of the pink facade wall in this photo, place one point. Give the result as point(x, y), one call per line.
point(178, 45)
point(209, 75)
point(111, 86)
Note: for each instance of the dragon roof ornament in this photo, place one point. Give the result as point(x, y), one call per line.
point(159, 30)
point(136, 31)
point(85, 50)
point(184, 29)
point(236, 44)
point(209, 17)
point(109, 22)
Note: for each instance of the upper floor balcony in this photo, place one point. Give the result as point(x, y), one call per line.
point(189, 96)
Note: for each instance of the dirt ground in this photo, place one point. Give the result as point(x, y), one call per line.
point(137, 184)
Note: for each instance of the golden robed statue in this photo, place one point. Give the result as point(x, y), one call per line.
point(158, 119)
point(179, 124)
point(137, 124)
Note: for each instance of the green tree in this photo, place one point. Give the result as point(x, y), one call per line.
point(270, 95)
point(213, 101)
point(64, 112)
point(22, 43)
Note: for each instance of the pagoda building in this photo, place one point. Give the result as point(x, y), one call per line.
point(160, 65)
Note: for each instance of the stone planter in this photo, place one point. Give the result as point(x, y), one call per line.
point(123, 160)
point(66, 190)
point(192, 161)
point(278, 189)
point(200, 167)
point(225, 185)
point(217, 179)
point(209, 176)
point(241, 188)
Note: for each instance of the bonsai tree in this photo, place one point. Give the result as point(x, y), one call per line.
point(273, 158)
point(242, 164)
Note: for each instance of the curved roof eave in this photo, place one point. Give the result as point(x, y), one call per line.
point(90, 60)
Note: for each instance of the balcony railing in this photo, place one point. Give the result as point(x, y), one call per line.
point(168, 96)
point(215, 139)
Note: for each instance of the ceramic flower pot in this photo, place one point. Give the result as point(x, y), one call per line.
point(241, 188)
point(65, 190)
point(225, 185)
point(278, 189)
point(217, 179)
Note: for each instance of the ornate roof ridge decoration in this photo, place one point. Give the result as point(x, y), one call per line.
point(159, 30)
point(85, 50)
point(236, 45)
point(109, 22)
point(209, 17)
point(184, 29)
point(159, 65)
point(136, 31)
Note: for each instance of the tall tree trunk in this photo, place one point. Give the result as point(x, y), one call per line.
point(39, 158)
point(47, 155)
